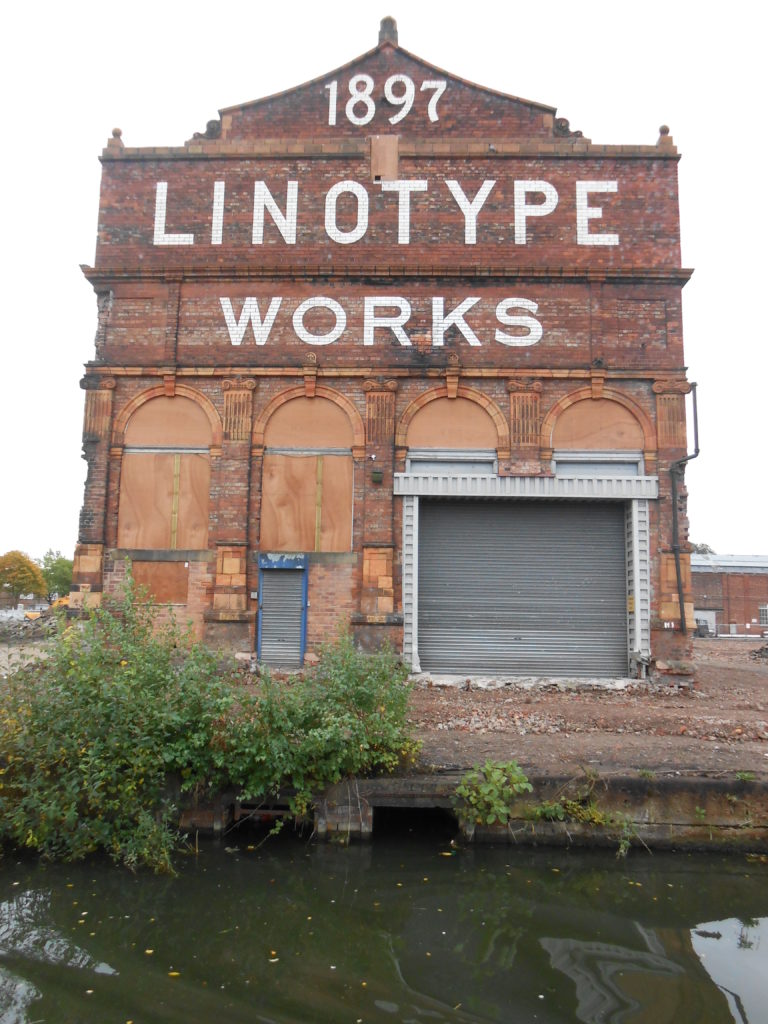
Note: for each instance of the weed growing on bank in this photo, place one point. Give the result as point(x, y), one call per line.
point(90, 736)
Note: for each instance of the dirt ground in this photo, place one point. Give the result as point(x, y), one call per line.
point(716, 729)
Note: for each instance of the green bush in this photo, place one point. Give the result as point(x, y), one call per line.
point(485, 795)
point(90, 735)
point(347, 716)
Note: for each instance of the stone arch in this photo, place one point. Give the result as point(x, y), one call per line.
point(644, 424)
point(486, 403)
point(344, 403)
point(182, 391)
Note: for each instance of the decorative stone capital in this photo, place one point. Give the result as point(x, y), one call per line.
point(671, 387)
point(524, 384)
point(238, 384)
point(380, 385)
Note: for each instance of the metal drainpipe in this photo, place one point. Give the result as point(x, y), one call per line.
point(675, 473)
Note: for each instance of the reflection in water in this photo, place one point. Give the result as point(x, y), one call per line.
point(406, 931)
point(25, 935)
point(599, 970)
point(734, 954)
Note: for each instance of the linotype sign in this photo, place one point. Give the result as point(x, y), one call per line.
point(389, 175)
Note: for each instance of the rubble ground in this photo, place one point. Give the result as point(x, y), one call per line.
point(716, 728)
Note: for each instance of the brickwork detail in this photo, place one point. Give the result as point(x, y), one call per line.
point(671, 421)
point(238, 406)
point(230, 586)
point(525, 412)
point(378, 596)
point(97, 420)
point(379, 411)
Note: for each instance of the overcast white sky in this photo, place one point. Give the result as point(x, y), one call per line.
point(159, 71)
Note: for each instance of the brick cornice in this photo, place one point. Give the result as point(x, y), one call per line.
point(574, 148)
point(104, 277)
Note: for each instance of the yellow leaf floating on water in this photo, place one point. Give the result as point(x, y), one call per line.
point(149, 952)
point(174, 974)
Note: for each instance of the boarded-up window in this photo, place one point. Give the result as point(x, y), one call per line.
point(307, 478)
point(166, 582)
point(165, 477)
point(597, 424)
point(452, 423)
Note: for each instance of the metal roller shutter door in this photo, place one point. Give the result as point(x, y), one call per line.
point(281, 602)
point(522, 588)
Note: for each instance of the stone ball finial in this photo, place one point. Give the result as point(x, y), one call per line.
point(388, 31)
point(117, 133)
point(664, 130)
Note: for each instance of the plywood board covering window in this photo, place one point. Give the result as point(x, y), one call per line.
point(307, 502)
point(164, 500)
point(597, 424)
point(307, 478)
point(164, 484)
point(166, 582)
point(452, 423)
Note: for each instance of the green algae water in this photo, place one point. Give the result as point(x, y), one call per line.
point(406, 929)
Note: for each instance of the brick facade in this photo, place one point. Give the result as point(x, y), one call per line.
point(730, 593)
point(373, 241)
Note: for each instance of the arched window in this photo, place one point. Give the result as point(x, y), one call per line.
point(452, 434)
point(306, 500)
point(597, 436)
point(165, 477)
point(597, 424)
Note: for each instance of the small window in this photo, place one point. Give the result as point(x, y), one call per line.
point(763, 614)
point(590, 463)
point(446, 460)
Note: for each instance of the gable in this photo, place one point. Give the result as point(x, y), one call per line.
point(389, 91)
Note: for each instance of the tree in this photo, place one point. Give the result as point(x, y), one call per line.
point(57, 572)
point(702, 549)
point(20, 575)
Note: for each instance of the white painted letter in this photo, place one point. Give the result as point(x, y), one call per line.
point(524, 209)
point(250, 314)
point(315, 302)
point(404, 189)
point(161, 238)
point(217, 214)
point(585, 212)
point(532, 325)
point(356, 233)
point(395, 323)
point(440, 322)
point(286, 224)
point(470, 209)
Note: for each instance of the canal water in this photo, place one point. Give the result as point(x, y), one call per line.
point(408, 928)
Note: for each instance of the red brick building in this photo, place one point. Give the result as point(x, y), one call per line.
point(394, 350)
point(730, 593)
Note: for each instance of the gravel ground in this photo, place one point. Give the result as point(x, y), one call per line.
point(715, 729)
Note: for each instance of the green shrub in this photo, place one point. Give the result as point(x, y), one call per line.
point(90, 735)
point(347, 716)
point(485, 795)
